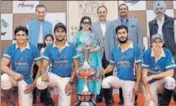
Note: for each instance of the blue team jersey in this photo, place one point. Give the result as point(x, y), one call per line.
point(61, 60)
point(22, 61)
point(125, 61)
point(165, 63)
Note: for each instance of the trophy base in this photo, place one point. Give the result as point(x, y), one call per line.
point(91, 103)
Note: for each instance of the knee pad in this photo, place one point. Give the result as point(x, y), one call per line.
point(169, 83)
point(41, 84)
point(6, 82)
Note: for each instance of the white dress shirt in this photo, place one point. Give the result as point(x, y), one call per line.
point(103, 28)
point(40, 40)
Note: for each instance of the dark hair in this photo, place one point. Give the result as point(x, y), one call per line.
point(121, 27)
point(102, 7)
point(21, 28)
point(122, 5)
point(48, 35)
point(82, 19)
point(40, 6)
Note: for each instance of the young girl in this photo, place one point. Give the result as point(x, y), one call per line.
point(47, 40)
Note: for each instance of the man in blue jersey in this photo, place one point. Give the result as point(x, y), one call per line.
point(158, 68)
point(125, 57)
point(21, 56)
point(134, 34)
point(63, 57)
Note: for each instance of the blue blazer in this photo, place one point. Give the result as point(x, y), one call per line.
point(34, 29)
point(134, 32)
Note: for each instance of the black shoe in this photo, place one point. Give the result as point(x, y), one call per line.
point(110, 103)
point(49, 102)
point(34, 95)
point(121, 102)
point(108, 97)
point(166, 97)
point(99, 100)
point(174, 96)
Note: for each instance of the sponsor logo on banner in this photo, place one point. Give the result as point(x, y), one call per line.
point(23, 6)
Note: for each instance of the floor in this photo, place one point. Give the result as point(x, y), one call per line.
point(116, 99)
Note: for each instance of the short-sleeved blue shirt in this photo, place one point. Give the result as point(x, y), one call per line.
point(165, 63)
point(61, 60)
point(125, 61)
point(22, 61)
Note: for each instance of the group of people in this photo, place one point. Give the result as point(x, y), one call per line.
point(116, 55)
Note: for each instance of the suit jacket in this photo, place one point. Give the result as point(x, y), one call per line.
point(134, 32)
point(103, 40)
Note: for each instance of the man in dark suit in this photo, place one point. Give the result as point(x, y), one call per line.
point(100, 28)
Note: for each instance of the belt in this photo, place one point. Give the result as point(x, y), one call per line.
point(65, 76)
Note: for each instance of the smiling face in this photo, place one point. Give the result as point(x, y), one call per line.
point(102, 14)
point(86, 24)
point(157, 45)
point(123, 10)
point(21, 37)
point(60, 34)
point(41, 13)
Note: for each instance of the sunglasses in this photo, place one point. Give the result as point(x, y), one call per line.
point(88, 23)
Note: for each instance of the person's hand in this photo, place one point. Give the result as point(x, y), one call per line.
point(136, 89)
point(80, 49)
point(77, 74)
point(45, 77)
point(68, 89)
point(102, 72)
point(147, 79)
point(91, 51)
point(17, 76)
point(29, 88)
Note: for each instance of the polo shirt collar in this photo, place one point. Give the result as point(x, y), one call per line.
point(130, 46)
point(66, 45)
point(162, 53)
point(27, 46)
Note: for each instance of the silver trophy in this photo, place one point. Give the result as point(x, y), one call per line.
point(85, 97)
